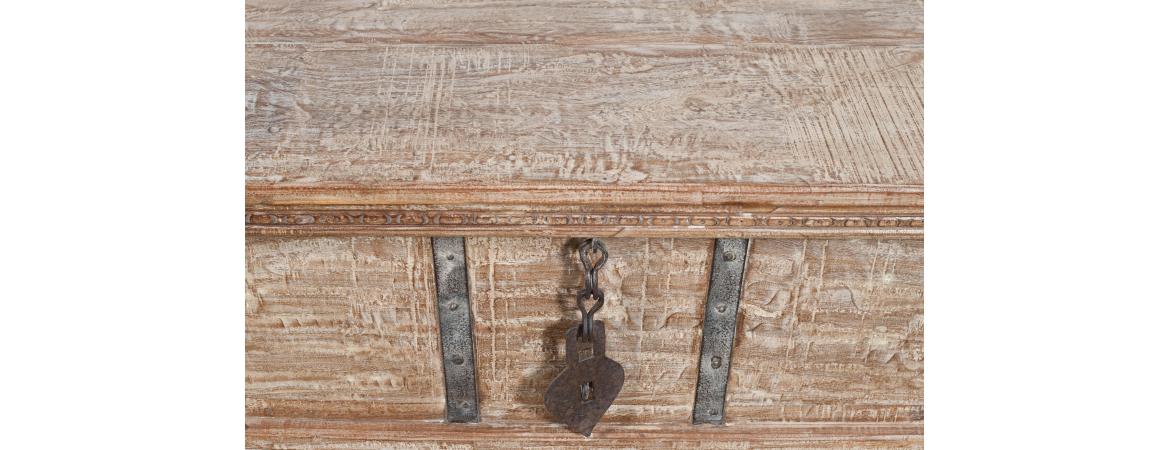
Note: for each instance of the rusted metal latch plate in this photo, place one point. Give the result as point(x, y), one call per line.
point(454, 311)
point(719, 329)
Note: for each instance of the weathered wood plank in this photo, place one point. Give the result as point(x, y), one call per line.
point(341, 328)
point(832, 330)
point(524, 292)
point(626, 23)
point(270, 433)
point(577, 196)
point(369, 114)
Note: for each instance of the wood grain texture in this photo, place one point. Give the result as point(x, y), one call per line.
point(585, 23)
point(341, 328)
point(767, 115)
point(789, 92)
point(575, 196)
point(524, 293)
point(267, 433)
point(832, 330)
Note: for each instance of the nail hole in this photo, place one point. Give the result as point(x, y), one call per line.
point(728, 256)
point(453, 306)
point(457, 360)
point(713, 412)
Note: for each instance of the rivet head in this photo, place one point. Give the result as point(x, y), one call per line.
point(457, 360)
point(729, 256)
point(713, 412)
point(721, 308)
point(716, 362)
point(450, 257)
point(465, 405)
point(453, 306)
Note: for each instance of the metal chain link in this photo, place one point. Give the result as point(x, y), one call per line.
point(587, 250)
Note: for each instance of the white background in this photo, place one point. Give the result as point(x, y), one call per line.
point(122, 279)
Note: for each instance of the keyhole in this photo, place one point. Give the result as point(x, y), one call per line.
point(587, 392)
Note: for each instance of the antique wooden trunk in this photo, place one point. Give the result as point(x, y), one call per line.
point(400, 151)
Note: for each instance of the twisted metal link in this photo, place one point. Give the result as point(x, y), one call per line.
point(588, 251)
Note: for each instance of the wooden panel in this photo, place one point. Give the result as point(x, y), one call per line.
point(341, 327)
point(264, 433)
point(524, 292)
point(631, 118)
point(832, 330)
point(588, 23)
point(373, 114)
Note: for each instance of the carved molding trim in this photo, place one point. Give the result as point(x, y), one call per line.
point(394, 221)
point(567, 209)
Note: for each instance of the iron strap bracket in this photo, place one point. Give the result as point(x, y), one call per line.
point(455, 329)
point(727, 265)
